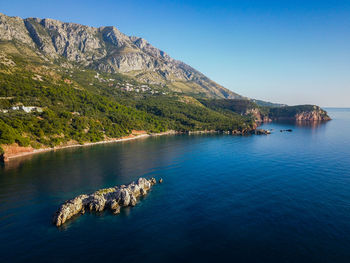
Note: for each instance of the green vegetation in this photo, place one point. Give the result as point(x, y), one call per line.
point(81, 105)
point(68, 113)
point(71, 103)
point(189, 116)
point(226, 105)
point(105, 191)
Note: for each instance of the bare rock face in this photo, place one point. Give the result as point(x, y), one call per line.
point(110, 198)
point(124, 197)
point(258, 116)
point(96, 202)
point(315, 115)
point(69, 209)
point(133, 200)
point(13, 28)
point(75, 42)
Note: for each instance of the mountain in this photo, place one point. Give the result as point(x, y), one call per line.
point(66, 84)
point(108, 50)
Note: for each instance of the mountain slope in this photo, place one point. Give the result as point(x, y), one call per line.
point(108, 50)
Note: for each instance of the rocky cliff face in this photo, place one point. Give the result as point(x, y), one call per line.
point(312, 116)
point(258, 116)
point(13, 28)
point(107, 49)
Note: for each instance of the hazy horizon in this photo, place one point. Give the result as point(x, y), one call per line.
point(290, 52)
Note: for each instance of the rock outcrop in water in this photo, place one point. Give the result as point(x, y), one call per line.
point(110, 198)
point(261, 132)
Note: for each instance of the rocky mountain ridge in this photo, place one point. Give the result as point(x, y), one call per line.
point(108, 50)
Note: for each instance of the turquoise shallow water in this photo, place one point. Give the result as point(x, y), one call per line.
point(278, 198)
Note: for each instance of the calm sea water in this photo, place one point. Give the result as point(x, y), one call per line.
point(278, 198)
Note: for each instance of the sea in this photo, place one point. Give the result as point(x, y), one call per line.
point(283, 197)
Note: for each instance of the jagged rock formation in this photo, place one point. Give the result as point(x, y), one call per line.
point(111, 198)
point(107, 49)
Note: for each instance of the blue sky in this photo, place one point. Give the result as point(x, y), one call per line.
point(293, 52)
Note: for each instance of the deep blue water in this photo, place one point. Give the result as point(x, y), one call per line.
point(278, 198)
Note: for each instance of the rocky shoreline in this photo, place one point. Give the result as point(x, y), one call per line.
point(109, 198)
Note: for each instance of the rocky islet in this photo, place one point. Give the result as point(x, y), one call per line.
point(109, 198)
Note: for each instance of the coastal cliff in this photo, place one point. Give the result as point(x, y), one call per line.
point(258, 116)
point(292, 113)
point(312, 116)
point(299, 113)
point(261, 114)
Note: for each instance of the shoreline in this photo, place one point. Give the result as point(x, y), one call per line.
point(7, 159)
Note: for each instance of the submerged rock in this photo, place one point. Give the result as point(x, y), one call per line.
point(110, 198)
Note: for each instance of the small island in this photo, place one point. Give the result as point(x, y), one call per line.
point(109, 198)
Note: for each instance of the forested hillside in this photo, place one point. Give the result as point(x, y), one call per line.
point(44, 104)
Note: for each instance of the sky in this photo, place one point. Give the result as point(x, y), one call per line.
point(292, 52)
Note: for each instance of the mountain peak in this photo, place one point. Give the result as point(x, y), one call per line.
point(109, 50)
